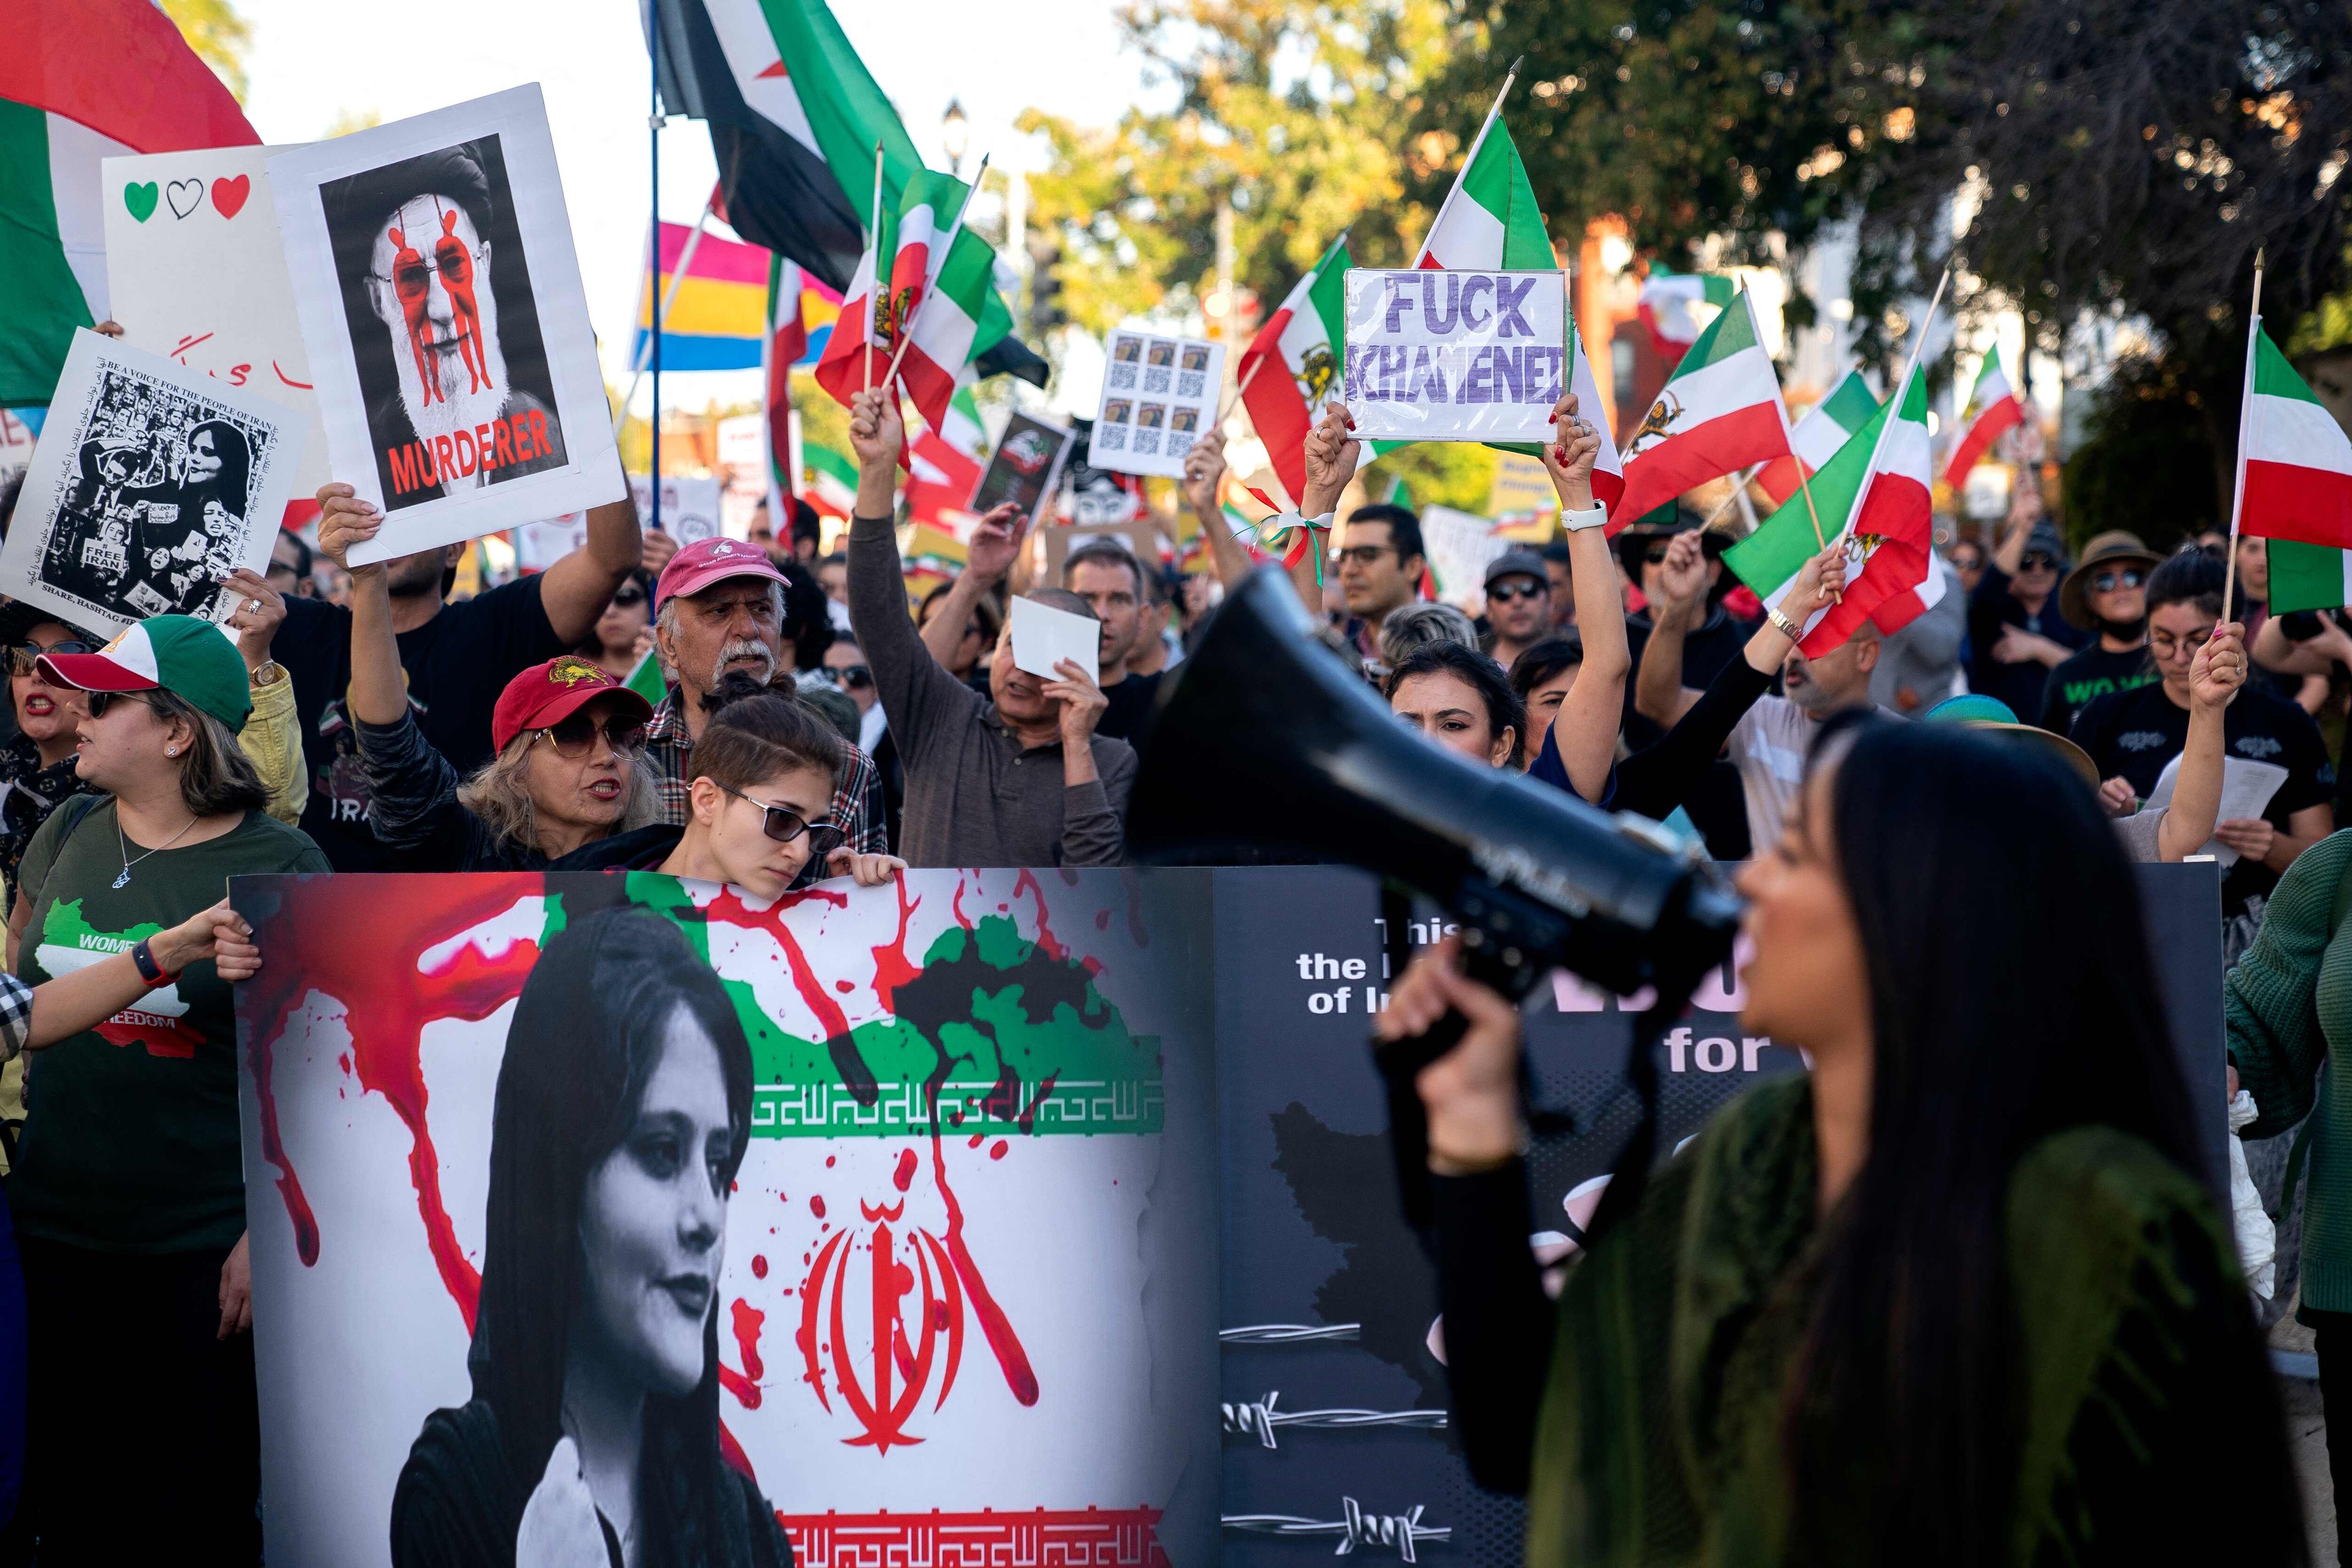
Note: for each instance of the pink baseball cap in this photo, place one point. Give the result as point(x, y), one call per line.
point(707, 561)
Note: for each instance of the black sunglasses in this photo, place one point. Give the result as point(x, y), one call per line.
point(1657, 554)
point(856, 677)
point(22, 656)
point(100, 701)
point(783, 825)
point(1508, 592)
point(575, 737)
point(629, 594)
point(2034, 560)
point(2108, 581)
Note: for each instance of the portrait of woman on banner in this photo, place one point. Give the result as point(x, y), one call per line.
point(621, 1115)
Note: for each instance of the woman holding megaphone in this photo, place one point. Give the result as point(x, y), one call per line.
point(1958, 1295)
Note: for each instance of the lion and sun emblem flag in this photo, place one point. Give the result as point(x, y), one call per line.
point(900, 1203)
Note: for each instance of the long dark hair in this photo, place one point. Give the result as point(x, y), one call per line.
point(586, 1037)
point(1911, 1351)
point(233, 484)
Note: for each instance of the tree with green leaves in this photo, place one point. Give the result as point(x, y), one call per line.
point(219, 36)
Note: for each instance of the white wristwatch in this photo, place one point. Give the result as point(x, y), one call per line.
point(1591, 517)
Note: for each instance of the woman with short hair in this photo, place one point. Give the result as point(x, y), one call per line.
point(129, 1185)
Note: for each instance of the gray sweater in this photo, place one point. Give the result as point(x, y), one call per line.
point(974, 796)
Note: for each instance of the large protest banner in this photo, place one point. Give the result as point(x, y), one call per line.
point(1334, 1395)
point(956, 1305)
point(1454, 356)
point(195, 271)
point(151, 481)
point(447, 332)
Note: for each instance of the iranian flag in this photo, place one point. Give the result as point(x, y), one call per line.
point(1993, 407)
point(1719, 413)
point(1490, 222)
point(1292, 364)
point(646, 679)
point(941, 295)
point(2294, 463)
point(1815, 439)
point(945, 469)
point(831, 480)
point(1666, 300)
point(81, 80)
point(1875, 491)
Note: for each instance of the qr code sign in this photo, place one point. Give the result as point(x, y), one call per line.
point(1157, 377)
point(1111, 437)
point(1191, 384)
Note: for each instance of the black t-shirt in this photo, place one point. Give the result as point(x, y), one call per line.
point(1128, 717)
point(2132, 735)
point(1990, 608)
point(457, 664)
point(1717, 805)
point(2093, 673)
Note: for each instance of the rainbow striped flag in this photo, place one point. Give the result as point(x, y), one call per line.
point(720, 312)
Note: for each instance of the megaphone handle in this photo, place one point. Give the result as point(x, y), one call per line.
point(1400, 1062)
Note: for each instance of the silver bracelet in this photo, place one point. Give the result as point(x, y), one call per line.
point(1782, 625)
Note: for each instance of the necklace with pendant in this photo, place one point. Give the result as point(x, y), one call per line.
point(124, 880)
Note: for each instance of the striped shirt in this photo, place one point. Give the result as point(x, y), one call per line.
point(856, 796)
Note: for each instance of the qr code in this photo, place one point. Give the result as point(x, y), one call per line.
point(1180, 442)
point(1191, 384)
point(1156, 378)
point(1122, 377)
point(1111, 437)
point(1147, 442)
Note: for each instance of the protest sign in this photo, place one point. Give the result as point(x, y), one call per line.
point(1023, 468)
point(957, 1303)
point(1334, 1404)
point(1160, 396)
point(539, 546)
point(447, 334)
point(1044, 636)
point(1522, 484)
point(151, 481)
point(1455, 356)
point(195, 271)
point(1458, 546)
point(689, 507)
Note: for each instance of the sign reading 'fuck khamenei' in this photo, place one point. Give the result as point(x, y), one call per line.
point(1455, 356)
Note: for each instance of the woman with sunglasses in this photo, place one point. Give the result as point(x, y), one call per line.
point(564, 772)
point(129, 1187)
point(2106, 596)
point(758, 810)
point(626, 631)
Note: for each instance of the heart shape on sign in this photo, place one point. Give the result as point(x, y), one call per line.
point(140, 200)
point(183, 195)
point(228, 195)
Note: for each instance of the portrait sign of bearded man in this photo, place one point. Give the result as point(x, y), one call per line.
point(443, 323)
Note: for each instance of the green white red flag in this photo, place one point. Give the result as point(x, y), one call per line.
point(1490, 222)
point(1993, 407)
point(944, 469)
point(1876, 492)
point(1719, 413)
point(82, 80)
point(1292, 367)
point(1666, 307)
point(829, 480)
point(2294, 461)
point(1815, 439)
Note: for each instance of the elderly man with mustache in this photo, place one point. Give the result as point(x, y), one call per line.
point(718, 605)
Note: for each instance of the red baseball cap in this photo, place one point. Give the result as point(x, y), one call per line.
point(705, 561)
point(547, 695)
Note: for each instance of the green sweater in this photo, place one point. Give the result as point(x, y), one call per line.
point(2289, 1004)
point(1658, 1441)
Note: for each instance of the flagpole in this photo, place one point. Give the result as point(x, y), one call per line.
point(1475, 142)
point(1226, 412)
point(930, 283)
point(1901, 387)
point(2245, 419)
point(653, 275)
point(874, 284)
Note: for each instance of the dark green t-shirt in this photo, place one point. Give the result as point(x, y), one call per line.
point(132, 1129)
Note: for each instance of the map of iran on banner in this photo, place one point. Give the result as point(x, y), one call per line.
point(966, 1296)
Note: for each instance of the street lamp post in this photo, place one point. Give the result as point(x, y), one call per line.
point(955, 135)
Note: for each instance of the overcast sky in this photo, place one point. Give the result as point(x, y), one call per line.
point(312, 62)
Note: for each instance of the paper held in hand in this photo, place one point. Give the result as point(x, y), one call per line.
point(1043, 637)
point(1160, 396)
point(2246, 789)
point(1455, 356)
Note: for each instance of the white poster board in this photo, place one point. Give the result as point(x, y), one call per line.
point(195, 271)
point(689, 507)
point(1160, 396)
point(1454, 356)
point(151, 481)
point(1459, 546)
point(448, 337)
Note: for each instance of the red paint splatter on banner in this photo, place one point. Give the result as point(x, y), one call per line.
point(1046, 941)
point(996, 1150)
point(905, 1174)
point(388, 996)
point(1102, 919)
point(977, 1139)
point(745, 1385)
point(1028, 1123)
point(1011, 1358)
point(845, 986)
point(760, 1264)
point(1134, 930)
point(892, 966)
point(816, 1206)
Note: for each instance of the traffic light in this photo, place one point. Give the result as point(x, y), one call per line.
point(1046, 311)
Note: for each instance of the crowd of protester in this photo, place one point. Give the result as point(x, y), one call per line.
point(363, 718)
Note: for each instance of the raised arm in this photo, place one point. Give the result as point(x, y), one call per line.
point(1204, 472)
point(1590, 715)
point(379, 693)
point(575, 589)
point(995, 540)
point(912, 685)
point(1659, 695)
point(1814, 589)
point(1331, 455)
point(2214, 676)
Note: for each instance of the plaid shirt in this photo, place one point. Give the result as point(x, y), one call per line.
point(15, 1016)
point(856, 800)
